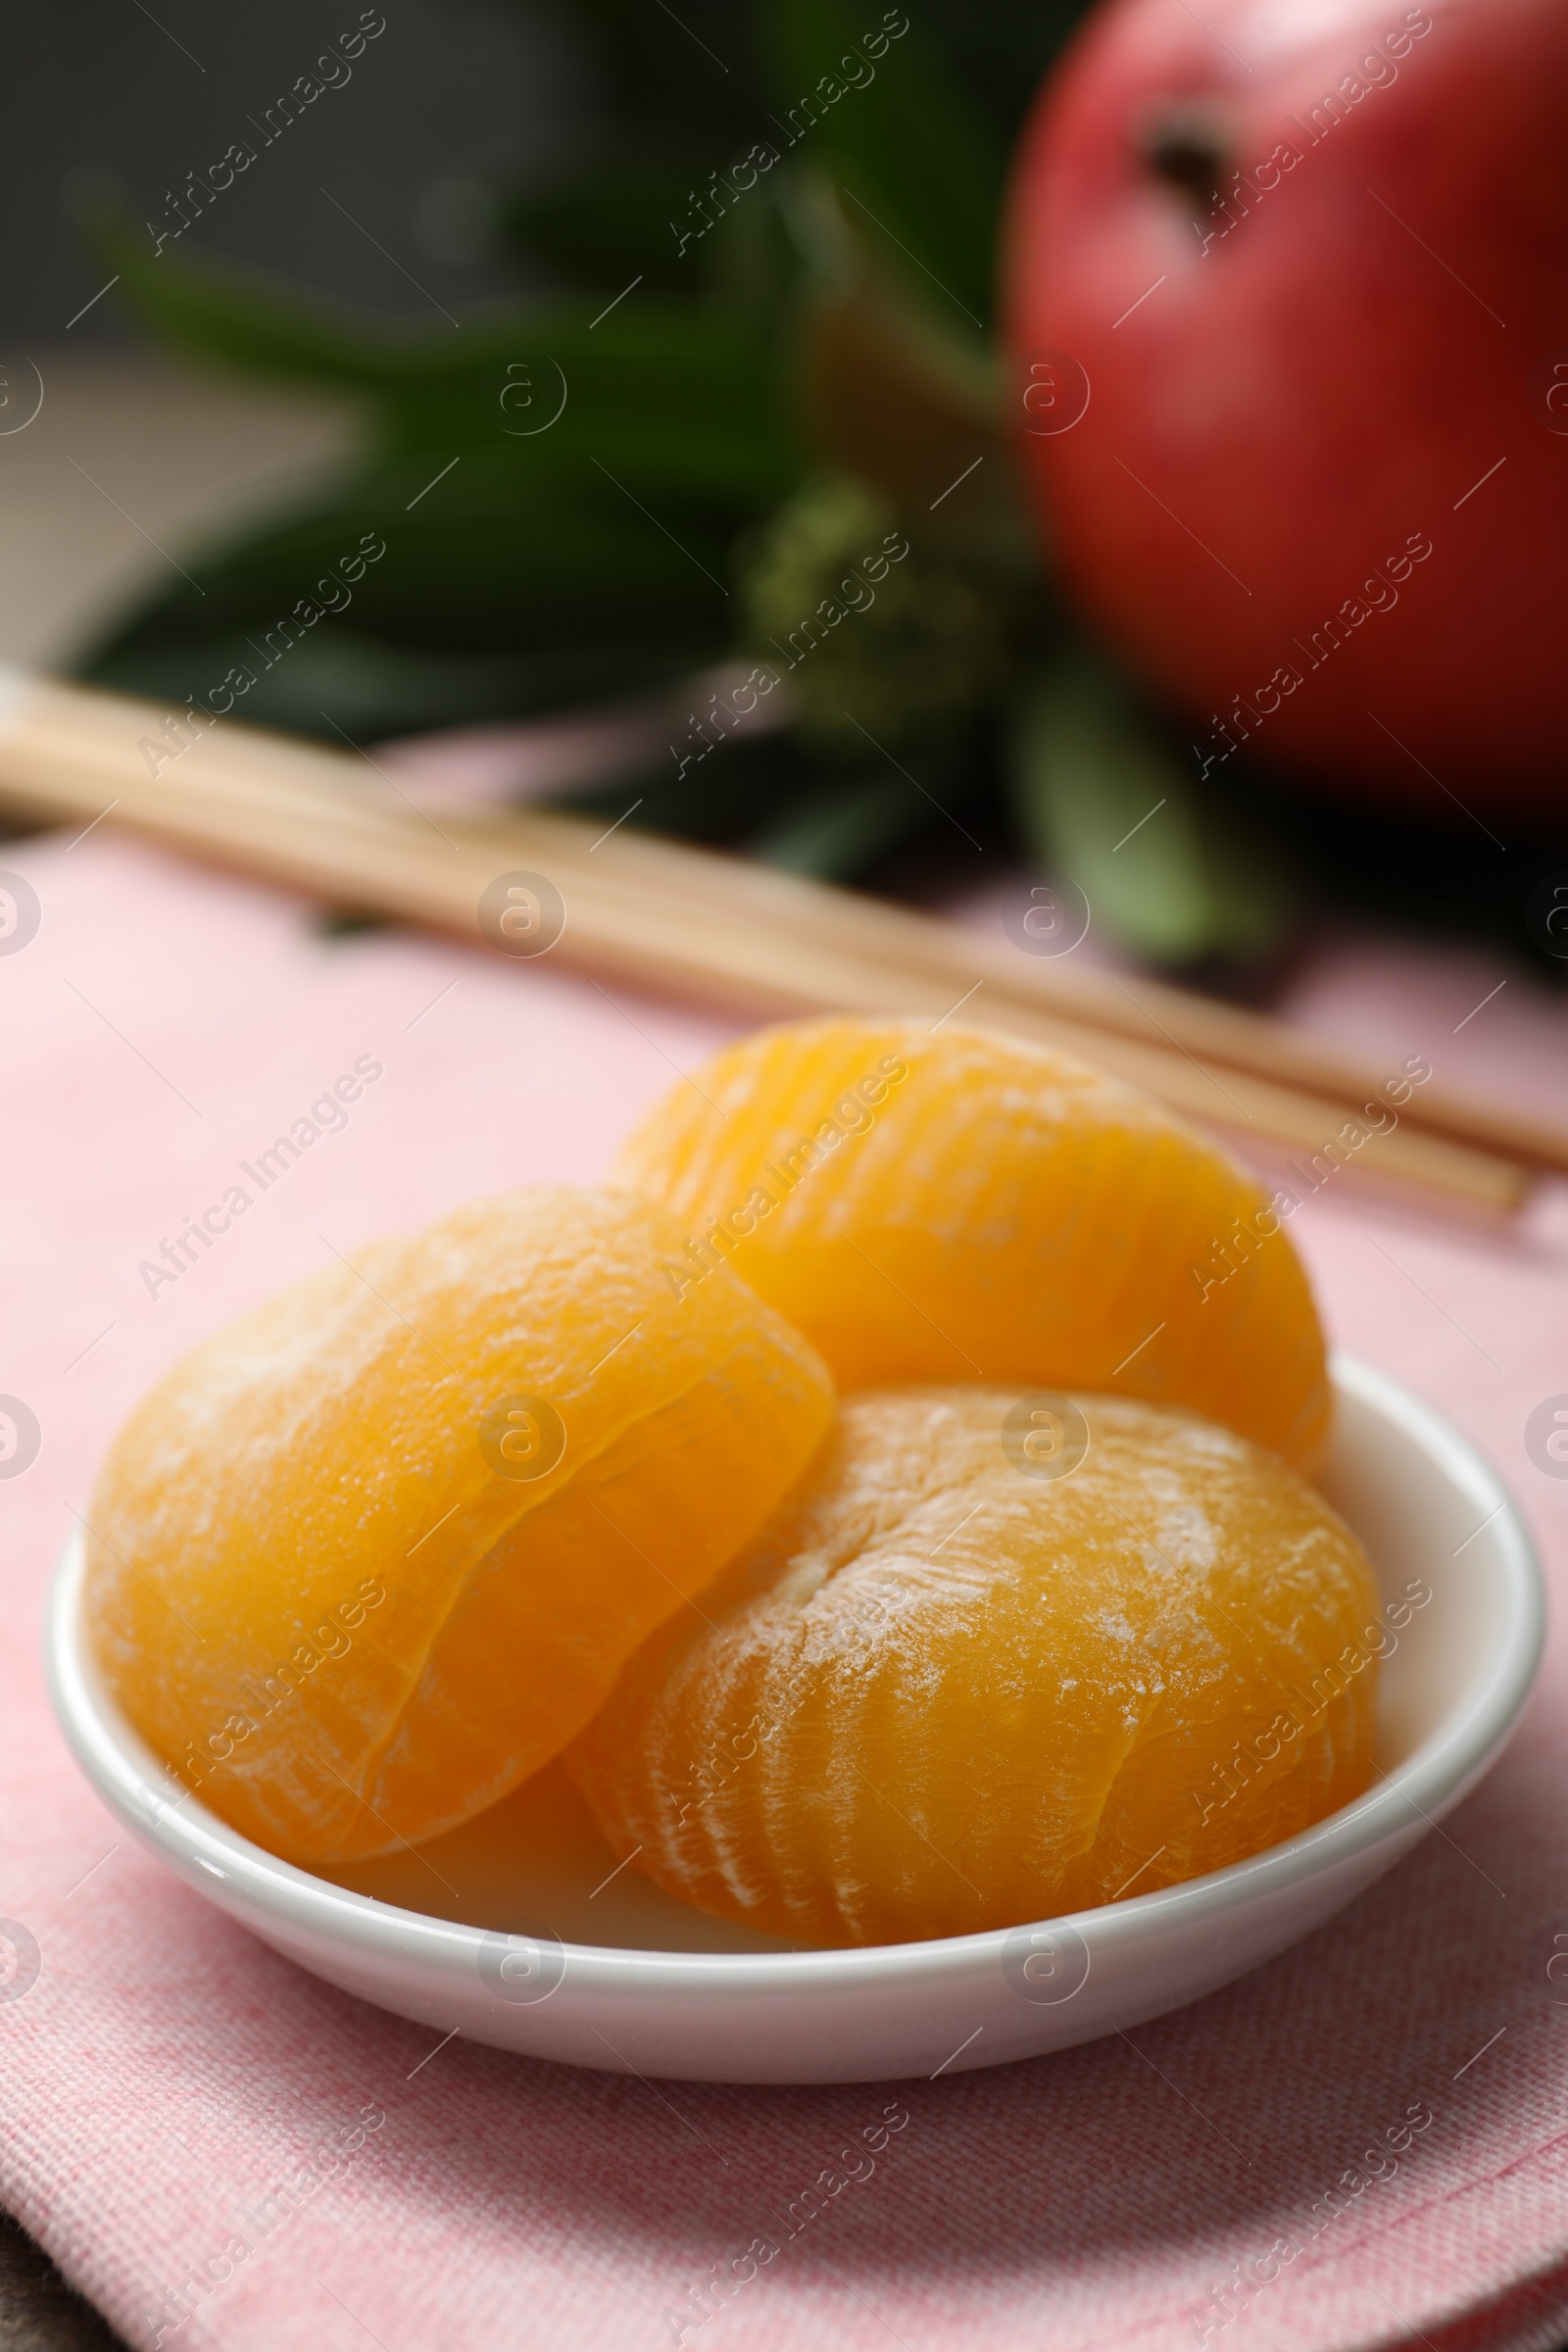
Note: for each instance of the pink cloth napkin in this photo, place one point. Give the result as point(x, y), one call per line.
point(193, 2127)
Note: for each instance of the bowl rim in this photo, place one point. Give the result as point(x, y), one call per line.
point(1429, 1782)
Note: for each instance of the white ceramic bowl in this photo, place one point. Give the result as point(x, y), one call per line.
point(502, 1930)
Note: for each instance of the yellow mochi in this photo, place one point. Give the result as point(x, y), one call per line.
point(366, 1558)
point(962, 1206)
point(945, 1689)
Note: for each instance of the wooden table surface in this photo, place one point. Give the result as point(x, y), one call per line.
point(38, 2312)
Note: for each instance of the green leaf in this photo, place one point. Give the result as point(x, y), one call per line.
point(920, 166)
point(839, 831)
point(338, 682)
point(674, 392)
point(1103, 798)
point(561, 485)
point(497, 593)
point(246, 318)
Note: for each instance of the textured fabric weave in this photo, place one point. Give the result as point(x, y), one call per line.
point(167, 2078)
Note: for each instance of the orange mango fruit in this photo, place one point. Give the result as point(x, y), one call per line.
point(370, 1556)
point(954, 1205)
point(997, 1657)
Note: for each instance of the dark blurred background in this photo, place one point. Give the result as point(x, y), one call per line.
point(446, 101)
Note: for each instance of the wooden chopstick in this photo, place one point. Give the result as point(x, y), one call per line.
point(785, 946)
point(657, 912)
point(1084, 996)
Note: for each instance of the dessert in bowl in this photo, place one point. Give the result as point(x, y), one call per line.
point(516, 1628)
